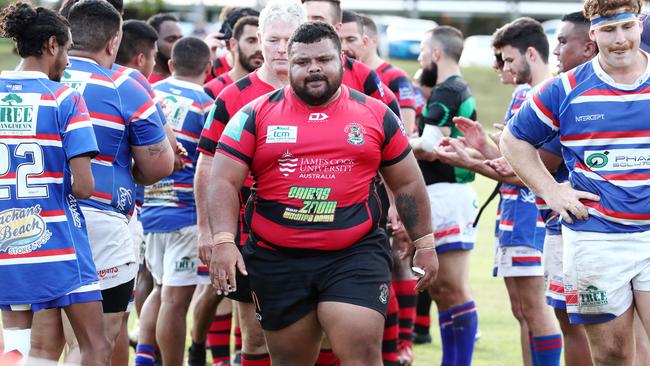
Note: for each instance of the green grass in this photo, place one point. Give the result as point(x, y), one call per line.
point(8, 59)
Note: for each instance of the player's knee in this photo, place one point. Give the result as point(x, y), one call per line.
point(49, 349)
point(610, 355)
point(254, 342)
point(360, 353)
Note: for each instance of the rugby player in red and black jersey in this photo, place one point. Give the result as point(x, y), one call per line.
point(247, 55)
point(316, 258)
point(277, 21)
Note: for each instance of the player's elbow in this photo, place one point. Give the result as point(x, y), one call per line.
point(83, 188)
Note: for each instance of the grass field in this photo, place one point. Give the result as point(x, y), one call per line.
point(499, 343)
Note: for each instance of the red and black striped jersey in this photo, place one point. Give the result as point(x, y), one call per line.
point(215, 86)
point(358, 76)
point(399, 83)
point(314, 167)
point(219, 67)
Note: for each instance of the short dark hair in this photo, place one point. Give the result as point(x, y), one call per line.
point(523, 33)
point(336, 7)
point(156, 20)
point(450, 39)
point(190, 56)
point(32, 27)
point(137, 37)
point(238, 29)
point(349, 16)
point(66, 5)
point(93, 23)
point(228, 25)
point(369, 25)
point(312, 32)
point(577, 18)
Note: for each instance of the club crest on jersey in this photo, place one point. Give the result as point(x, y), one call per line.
point(22, 230)
point(18, 113)
point(384, 293)
point(288, 163)
point(355, 133)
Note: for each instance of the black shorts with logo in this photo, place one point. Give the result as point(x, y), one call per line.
point(288, 284)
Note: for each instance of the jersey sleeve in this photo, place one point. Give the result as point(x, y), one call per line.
point(537, 121)
point(396, 144)
point(141, 114)
point(554, 146)
point(215, 123)
point(373, 87)
point(441, 107)
point(77, 134)
point(239, 137)
point(403, 90)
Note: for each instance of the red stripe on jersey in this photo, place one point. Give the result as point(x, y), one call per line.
point(9, 175)
point(447, 232)
point(572, 79)
point(187, 133)
point(102, 78)
point(141, 110)
point(527, 259)
point(40, 136)
point(544, 110)
point(77, 119)
point(506, 222)
point(606, 135)
point(48, 175)
point(616, 214)
point(106, 117)
point(52, 213)
point(183, 185)
point(508, 191)
point(98, 194)
point(40, 253)
point(614, 92)
point(620, 176)
point(108, 159)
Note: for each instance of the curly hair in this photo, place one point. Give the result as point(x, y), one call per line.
point(606, 8)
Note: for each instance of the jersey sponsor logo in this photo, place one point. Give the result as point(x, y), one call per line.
point(317, 117)
point(590, 117)
point(319, 168)
point(287, 163)
point(108, 273)
point(316, 206)
point(620, 159)
point(175, 109)
point(75, 79)
point(18, 113)
point(185, 264)
point(355, 133)
point(22, 230)
point(125, 198)
point(74, 210)
point(384, 293)
point(160, 192)
point(405, 91)
point(281, 134)
point(592, 297)
point(527, 196)
point(235, 126)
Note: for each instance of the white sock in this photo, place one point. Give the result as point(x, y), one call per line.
point(18, 340)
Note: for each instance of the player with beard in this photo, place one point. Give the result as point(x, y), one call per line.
point(59, 144)
point(169, 31)
point(603, 253)
point(319, 237)
point(247, 58)
point(224, 63)
point(276, 23)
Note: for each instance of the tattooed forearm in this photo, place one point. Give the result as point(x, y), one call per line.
point(158, 149)
point(408, 210)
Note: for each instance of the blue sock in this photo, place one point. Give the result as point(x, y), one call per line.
point(465, 324)
point(548, 349)
point(531, 346)
point(447, 338)
point(145, 355)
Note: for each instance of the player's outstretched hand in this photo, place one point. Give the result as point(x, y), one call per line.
point(472, 131)
point(225, 261)
point(567, 201)
point(427, 260)
point(454, 153)
point(501, 166)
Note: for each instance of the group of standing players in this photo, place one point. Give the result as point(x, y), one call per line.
point(269, 180)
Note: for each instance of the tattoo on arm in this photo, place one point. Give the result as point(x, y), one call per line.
point(408, 211)
point(158, 149)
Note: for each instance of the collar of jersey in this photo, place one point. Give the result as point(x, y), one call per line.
point(602, 75)
point(84, 59)
point(184, 84)
point(18, 74)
